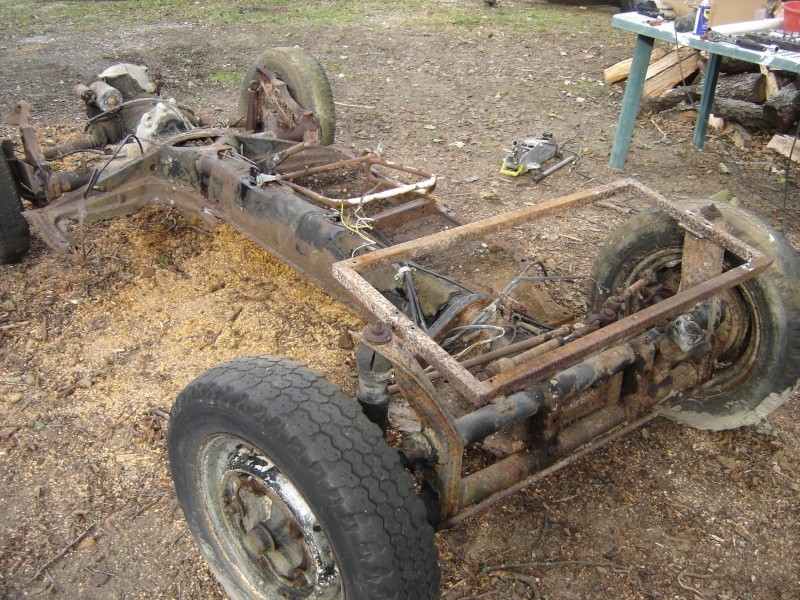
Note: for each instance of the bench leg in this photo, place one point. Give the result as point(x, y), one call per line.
point(706, 100)
point(630, 102)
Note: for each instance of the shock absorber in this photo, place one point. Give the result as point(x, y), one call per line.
point(374, 377)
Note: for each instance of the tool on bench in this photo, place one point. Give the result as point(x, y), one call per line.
point(741, 41)
point(530, 154)
point(783, 40)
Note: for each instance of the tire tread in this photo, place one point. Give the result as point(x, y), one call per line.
point(361, 476)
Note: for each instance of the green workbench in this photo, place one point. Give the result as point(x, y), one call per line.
point(646, 35)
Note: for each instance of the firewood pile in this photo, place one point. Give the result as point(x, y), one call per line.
point(748, 97)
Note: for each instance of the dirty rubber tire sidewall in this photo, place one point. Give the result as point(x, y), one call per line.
point(628, 5)
point(775, 294)
point(307, 82)
point(15, 236)
point(336, 458)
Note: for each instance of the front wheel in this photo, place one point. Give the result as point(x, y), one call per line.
point(757, 346)
point(291, 492)
point(15, 236)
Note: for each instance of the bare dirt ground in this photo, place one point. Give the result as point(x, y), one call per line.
point(92, 356)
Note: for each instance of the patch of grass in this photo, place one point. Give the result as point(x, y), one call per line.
point(226, 76)
point(41, 16)
point(587, 85)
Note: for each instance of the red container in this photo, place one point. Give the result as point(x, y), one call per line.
point(791, 16)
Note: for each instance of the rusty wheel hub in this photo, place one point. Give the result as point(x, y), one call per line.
point(265, 525)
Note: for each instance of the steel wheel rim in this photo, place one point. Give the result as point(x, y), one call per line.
point(263, 524)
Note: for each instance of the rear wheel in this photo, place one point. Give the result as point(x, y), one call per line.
point(15, 236)
point(292, 493)
point(757, 348)
point(307, 83)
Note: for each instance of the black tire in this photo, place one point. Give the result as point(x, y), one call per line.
point(307, 83)
point(628, 5)
point(15, 236)
point(757, 360)
point(256, 431)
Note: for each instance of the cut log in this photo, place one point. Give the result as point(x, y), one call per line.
point(671, 99)
point(734, 65)
point(782, 144)
point(750, 87)
point(772, 81)
point(673, 70)
point(748, 114)
point(783, 108)
point(621, 70)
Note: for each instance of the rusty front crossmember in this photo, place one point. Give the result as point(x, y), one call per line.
point(617, 358)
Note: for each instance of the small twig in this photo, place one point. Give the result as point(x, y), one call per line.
point(199, 230)
point(661, 131)
point(178, 538)
point(478, 597)
point(567, 499)
point(43, 329)
point(91, 570)
point(146, 507)
point(574, 239)
point(159, 413)
point(354, 105)
point(698, 575)
point(455, 552)
point(526, 579)
point(23, 405)
point(621, 209)
point(231, 319)
point(698, 593)
point(552, 564)
point(16, 325)
point(61, 554)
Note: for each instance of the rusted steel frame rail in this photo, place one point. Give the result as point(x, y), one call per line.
point(348, 273)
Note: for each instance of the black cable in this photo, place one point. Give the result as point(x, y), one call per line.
point(97, 172)
point(786, 178)
point(442, 277)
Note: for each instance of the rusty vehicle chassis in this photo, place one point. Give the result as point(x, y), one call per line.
point(217, 181)
point(542, 386)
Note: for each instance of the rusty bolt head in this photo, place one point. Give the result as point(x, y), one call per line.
point(377, 333)
point(710, 212)
point(300, 581)
point(295, 531)
point(607, 315)
point(235, 507)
